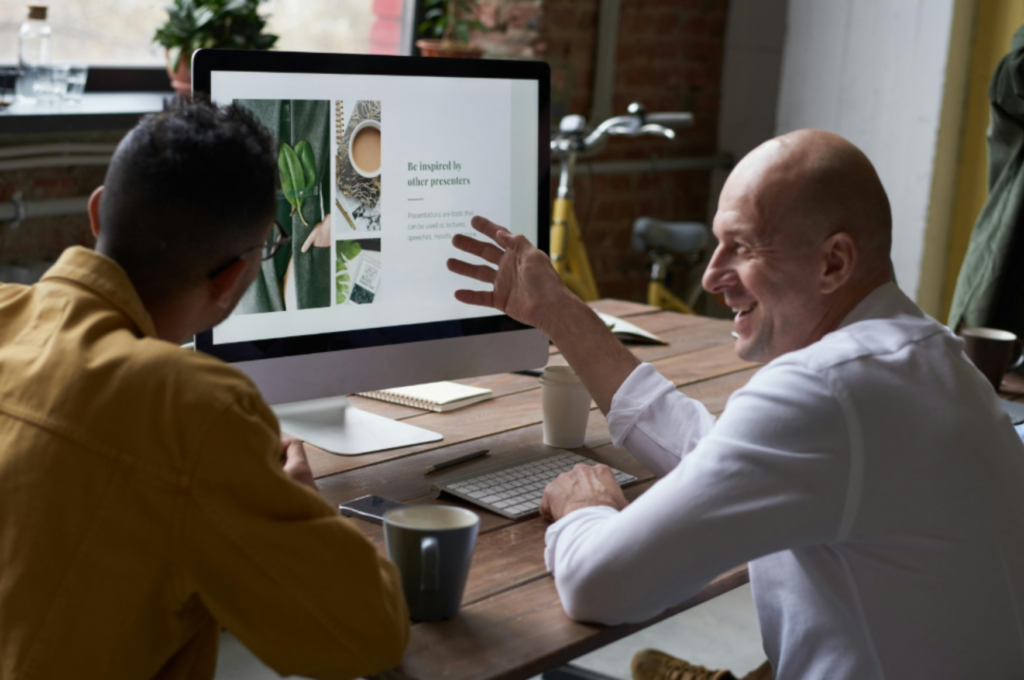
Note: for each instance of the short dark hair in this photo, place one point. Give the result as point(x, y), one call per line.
point(187, 189)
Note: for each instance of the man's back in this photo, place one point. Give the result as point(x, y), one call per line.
point(871, 482)
point(142, 504)
point(928, 572)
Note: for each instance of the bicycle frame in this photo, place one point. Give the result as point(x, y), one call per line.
point(658, 295)
point(568, 254)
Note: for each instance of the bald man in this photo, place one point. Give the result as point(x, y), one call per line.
point(867, 473)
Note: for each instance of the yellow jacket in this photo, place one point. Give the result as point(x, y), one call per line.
point(142, 506)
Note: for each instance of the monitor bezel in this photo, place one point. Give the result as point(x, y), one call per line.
point(206, 61)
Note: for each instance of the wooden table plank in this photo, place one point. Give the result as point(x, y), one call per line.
point(1013, 387)
point(521, 409)
point(660, 322)
point(521, 633)
point(403, 479)
point(622, 308)
point(500, 384)
point(509, 554)
point(512, 624)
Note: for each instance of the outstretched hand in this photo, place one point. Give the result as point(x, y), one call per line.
point(526, 286)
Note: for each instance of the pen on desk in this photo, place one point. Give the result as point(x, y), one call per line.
point(455, 461)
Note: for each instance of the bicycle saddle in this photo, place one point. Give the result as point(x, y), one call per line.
point(678, 237)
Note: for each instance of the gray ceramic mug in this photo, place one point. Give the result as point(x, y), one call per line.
point(991, 350)
point(432, 546)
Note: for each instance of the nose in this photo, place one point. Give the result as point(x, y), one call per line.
point(719, 274)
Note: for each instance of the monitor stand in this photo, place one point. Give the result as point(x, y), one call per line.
point(336, 426)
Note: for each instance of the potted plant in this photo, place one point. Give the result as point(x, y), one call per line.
point(198, 24)
point(449, 23)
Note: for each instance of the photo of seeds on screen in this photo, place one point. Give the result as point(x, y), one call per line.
point(357, 271)
point(358, 141)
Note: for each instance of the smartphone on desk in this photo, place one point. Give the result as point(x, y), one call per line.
point(369, 508)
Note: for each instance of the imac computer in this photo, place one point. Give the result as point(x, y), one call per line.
point(381, 161)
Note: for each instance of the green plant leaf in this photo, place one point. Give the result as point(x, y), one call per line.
point(349, 249)
point(305, 153)
point(342, 289)
point(292, 177)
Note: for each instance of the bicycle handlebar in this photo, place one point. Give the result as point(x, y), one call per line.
point(635, 124)
point(671, 119)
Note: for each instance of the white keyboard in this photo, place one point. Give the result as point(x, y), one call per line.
point(514, 490)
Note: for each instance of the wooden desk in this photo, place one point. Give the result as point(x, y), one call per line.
point(512, 624)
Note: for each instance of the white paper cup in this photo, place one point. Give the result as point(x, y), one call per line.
point(566, 407)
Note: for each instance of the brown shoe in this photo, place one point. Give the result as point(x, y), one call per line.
point(650, 664)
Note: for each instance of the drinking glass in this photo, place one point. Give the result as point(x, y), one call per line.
point(51, 83)
point(77, 75)
point(8, 86)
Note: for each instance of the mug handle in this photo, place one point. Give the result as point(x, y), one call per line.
point(1020, 355)
point(430, 575)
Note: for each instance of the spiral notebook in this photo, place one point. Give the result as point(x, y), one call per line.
point(439, 396)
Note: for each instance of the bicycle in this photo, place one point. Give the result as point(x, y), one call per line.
point(568, 253)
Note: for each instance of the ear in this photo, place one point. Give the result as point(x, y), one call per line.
point(840, 260)
point(222, 287)
point(94, 211)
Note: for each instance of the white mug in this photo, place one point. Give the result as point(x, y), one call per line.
point(566, 407)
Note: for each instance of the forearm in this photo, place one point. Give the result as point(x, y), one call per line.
point(655, 422)
point(590, 348)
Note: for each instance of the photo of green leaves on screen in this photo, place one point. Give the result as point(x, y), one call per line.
point(299, 276)
point(357, 271)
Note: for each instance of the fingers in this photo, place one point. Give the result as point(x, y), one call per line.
point(481, 298)
point(309, 240)
point(499, 235)
point(545, 507)
point(296, 465)
point(487, 251)
point(605, 473)
point(479, 272)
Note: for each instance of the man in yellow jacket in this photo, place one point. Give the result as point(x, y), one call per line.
point(146, 495)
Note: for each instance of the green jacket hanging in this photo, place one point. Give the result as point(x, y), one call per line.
point(990, 288)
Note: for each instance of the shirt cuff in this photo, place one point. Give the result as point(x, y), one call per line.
point(643, 386)
point(594, 513)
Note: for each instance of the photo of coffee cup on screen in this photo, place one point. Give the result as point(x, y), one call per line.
point(358, 143)
point(364, 149)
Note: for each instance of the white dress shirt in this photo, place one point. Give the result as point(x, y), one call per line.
point(871, 481)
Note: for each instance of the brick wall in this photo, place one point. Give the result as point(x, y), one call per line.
point(44, 238)
point(670, 55)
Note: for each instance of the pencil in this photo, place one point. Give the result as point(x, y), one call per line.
point(344, 214)
point(455, 461)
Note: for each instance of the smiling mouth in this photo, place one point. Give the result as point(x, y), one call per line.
point(743, 310)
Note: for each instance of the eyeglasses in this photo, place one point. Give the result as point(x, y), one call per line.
point(279, 237)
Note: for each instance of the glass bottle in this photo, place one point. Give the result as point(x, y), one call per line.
point(33, 52)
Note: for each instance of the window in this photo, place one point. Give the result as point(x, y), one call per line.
point(120, 32)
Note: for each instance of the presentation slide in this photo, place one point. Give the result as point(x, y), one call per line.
point(376, 174)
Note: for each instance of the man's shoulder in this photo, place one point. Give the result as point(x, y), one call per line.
point(866, 340)
point(191, 378)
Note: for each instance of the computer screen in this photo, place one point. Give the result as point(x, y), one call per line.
point(376, 174)
point(381, 161)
